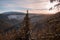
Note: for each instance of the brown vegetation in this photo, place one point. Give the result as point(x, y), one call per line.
point(48, 29)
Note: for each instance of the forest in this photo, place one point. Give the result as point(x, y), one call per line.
point(47, 29)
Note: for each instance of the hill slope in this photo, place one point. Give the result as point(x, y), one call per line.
point(48, 27)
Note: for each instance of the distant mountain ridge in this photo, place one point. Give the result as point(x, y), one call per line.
point(12, 13)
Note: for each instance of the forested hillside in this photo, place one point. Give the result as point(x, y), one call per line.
point(36, 27)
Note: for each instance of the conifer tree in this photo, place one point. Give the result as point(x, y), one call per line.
point(26, 23)
point(25, 29)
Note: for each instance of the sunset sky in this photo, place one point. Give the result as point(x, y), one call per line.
point(23, 5)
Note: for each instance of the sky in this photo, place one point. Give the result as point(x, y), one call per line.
point(23, 5)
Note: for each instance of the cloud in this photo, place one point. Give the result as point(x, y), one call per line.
point(23, 4)
point(31, 5)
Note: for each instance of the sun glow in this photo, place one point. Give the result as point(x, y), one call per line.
point(51, 5)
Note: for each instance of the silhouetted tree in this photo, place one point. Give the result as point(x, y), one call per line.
point(26, 28)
